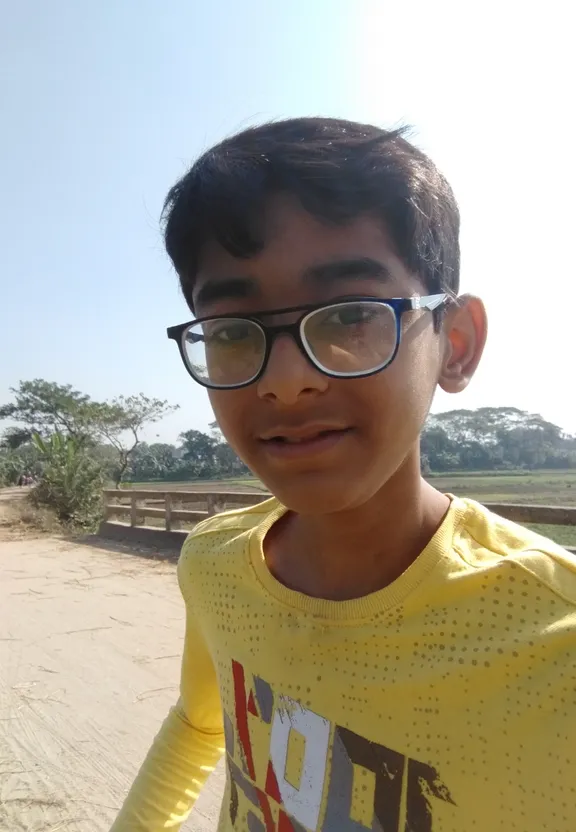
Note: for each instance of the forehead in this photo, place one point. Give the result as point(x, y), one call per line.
point(303, 259)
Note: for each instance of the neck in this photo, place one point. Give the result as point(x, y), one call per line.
point(355, 552)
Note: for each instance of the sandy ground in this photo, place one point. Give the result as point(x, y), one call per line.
point(90, 643)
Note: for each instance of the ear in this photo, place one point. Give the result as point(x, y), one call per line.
point(465, 328)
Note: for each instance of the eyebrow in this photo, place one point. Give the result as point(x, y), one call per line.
point(240, 288)
point(349, 269)
point(231, 288)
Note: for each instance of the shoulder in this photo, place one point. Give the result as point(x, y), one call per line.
point(484, 539)
point(234, 521)
point(210, 536)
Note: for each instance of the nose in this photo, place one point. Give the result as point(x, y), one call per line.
point(289, 375)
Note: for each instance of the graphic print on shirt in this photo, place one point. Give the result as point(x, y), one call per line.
point(309, 781)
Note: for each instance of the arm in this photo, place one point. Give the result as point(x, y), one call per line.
point(185, 751)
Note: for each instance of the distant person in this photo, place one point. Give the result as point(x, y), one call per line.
point(369, 654)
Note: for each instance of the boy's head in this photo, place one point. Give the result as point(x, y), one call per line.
point(298, 215)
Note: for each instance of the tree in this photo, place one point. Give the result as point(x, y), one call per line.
point(121, 421)
point(228, 462)
point(14, 438)
point(15, 462)
point(45, 407)
point(495, 438)
point(199, 452)
point(211, 455)
point(158, 461)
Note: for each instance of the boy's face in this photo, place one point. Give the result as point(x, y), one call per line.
point(374, 422)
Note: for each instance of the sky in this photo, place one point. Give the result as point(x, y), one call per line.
point(105, 103)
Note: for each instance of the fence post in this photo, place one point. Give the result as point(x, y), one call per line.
point(133, 510)
point(168, 512)
point(215, 503)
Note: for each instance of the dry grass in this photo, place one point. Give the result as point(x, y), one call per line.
point(20, 519)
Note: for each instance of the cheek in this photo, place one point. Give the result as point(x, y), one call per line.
point(231, 408)
point(398, 399)
point(419, 359)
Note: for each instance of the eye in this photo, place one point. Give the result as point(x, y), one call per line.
point(352, 315)
point(231, 333)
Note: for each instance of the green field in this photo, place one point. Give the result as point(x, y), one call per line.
point(557, 488)
point(552, 488)
point(239, 484)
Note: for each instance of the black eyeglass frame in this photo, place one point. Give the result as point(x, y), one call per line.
point(295, 329)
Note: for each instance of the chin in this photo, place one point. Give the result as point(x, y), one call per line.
point(314, 494)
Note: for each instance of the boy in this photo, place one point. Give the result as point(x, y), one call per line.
point(370, 653)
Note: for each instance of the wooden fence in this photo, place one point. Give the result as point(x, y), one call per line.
point(167, 506)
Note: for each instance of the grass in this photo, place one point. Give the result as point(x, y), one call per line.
point(550, 488)
point(563, 535)
point(553, 488)
point(557, 488)
point(20, 518)
point(238, 484)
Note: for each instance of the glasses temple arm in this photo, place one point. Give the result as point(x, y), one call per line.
point(429, 302)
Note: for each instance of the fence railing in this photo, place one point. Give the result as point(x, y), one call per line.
point(137, 505)
point(166, 507)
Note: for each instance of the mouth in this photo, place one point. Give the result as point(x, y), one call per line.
point(304, 443)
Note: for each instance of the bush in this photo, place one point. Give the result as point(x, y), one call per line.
point(13, 463)
point(71, 483)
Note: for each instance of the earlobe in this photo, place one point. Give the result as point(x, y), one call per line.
point(465, 329)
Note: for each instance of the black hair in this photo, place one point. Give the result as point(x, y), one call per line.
point(338, 170)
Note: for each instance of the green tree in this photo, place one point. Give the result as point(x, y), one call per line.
point(17, 459)
point(157, 461)
point(45, 407)
point(199, 453)
point(227, 460)
point(13, 438)
point(121, 422)
point(495, 438)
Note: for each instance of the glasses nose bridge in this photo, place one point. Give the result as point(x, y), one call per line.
point(291, 328)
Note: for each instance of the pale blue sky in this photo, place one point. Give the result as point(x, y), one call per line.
point(103, 105)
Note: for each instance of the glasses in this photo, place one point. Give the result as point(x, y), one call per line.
point(352, 338)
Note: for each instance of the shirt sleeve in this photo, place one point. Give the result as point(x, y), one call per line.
point(186, 750)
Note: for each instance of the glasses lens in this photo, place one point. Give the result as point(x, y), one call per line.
point(224, 352)
point(351, 338)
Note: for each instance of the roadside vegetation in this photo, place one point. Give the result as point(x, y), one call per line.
point(70, 446)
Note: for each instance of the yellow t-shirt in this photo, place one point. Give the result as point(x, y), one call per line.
point(445, 702)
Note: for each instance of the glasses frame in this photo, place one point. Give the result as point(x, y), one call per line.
point(296, 328)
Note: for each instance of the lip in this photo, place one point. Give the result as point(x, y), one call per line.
point(304, 443)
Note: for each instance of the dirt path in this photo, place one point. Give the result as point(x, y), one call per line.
point(90, 644)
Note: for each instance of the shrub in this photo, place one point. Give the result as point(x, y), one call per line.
point(71, 483)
